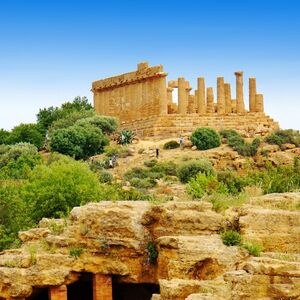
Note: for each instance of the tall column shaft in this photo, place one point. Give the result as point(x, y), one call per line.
point(259, 100)
point(220, 95)
point(201, 105)
point(163, 101)
point(102, 287)
point(240, 106)
point(182, 100)
point(58, 293)
point(252, 93)
point(170, 95)
point(227, 92)
point(210, 100)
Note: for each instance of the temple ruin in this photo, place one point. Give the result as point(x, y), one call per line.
point(143, 101)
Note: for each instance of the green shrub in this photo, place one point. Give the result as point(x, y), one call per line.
point(106, 124)
point(233, 182)
point(144, 183)
point(125, 137)
point(75, 252)
point(13, 216)
point(78, 141)
point(152, 252)
point(150, 163)
point(27, 133)
point(280, 137)
point(17, 161)
point(191, 168)
point(142, 178)
point(171, 145)
point(245, 149)
point(279, 179)
point(166, 168)
point(227, 133)
point(204, 184)
point(4, 136)
point(55, 189)
point(97, 165)
point(105, 176)
point(231, 238)
point(69, 120)
point(205, 138)
point(253, 248)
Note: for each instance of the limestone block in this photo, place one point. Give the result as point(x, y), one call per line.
point(182, 218)
point(197, 257)
point(258, 224)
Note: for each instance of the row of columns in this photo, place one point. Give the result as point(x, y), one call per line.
point(102, 289)
point(203, 100)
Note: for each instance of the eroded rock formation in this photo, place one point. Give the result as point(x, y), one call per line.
point(114, 242)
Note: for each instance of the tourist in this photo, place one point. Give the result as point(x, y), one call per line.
point(181, 142)
point(157, 152)
point(110, 163)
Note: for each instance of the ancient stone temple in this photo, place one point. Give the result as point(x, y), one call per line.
point(143, 101)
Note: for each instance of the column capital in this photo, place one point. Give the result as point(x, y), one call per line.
point(239, 73)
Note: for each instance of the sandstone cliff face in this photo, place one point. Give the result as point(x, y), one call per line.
point(112, 238)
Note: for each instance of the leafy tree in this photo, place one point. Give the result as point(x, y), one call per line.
point(205, 138)
point(12, 214)
point(107, 124)
point(16, 161)
point(190, 169)
point(27, 133)
point(69, 120)
point(54, 189)
point(79, 103)
point(4, 136)
point(47, 116)
point(78, 141)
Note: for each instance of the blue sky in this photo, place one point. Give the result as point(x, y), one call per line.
point(51, 50)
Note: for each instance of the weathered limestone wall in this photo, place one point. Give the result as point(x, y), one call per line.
point(249, 125)
point(132, 96)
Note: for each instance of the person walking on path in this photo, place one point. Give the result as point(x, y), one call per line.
point(157, 152)
point(181, 142)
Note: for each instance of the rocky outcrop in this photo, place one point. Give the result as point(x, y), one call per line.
point(121, 239)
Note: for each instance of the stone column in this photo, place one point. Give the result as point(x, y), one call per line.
point(210, 100)
point(139, 98)
point(252, 93)
point(58, 293)
point(182, 100)
point(191, 106)
point(102, 287)
point(228, 105)
point(170, 95)
point(163, 101)
point(240, 106)
point(259, 100)
point(144, 99)
point(201, 105)
point(220, 95)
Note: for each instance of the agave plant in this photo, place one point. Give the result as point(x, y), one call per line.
point(125, 137)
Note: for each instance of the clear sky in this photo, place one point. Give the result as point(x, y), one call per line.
point(51, 50)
